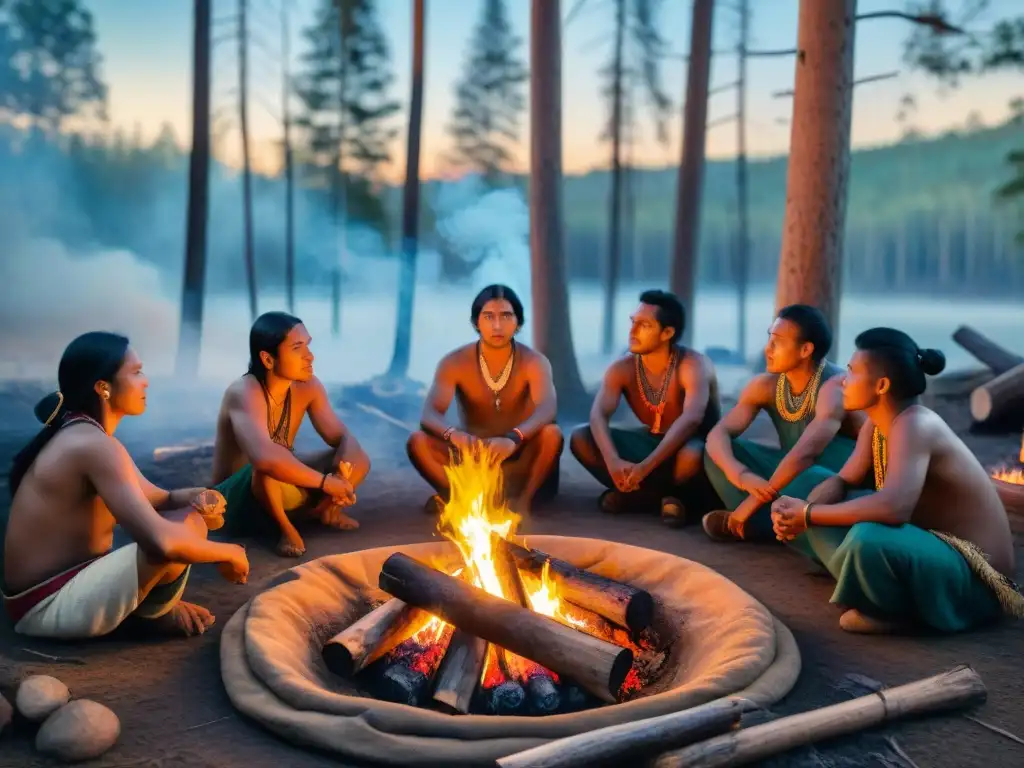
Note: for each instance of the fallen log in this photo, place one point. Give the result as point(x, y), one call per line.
point(597, 666)
point(509, 698)
point(1001, 399)
point(375, 634)
point(460, 672)
point(403, 685)
point(620, 603)
point(631, 743)
point(985, 350)
point(957, 688)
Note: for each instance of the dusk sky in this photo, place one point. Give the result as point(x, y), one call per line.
point(146, 49)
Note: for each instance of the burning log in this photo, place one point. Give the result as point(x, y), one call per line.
point(376, 634)
point(597, 666)
point(955, 689)
point(630, 743)
point(997, 358)
point(460, 672)
point(1000, 400)
point(620, 603)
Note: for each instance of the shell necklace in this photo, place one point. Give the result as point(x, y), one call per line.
point(797, 407)
point(496, 385)
point(655, 401)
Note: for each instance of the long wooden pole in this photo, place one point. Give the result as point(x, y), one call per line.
point(611, 276)
point(630, 743)
point(956, 688)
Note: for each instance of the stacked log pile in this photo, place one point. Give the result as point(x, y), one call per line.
point(998, 403)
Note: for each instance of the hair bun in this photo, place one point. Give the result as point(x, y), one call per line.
point(932, 361)
point(45, 408)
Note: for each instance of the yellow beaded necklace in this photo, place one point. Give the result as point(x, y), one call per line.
point(797, 408)
point(879, 458)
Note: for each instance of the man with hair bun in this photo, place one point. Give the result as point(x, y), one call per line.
point(63, 576)
point(507, 406)
point(911, 528)
point(802, 393)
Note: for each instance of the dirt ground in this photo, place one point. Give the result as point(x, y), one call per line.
point(174, 711)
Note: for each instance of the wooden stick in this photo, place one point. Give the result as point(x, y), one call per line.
point(997, 358)
point(597, 666)
point(375, 634)
point(631, 743)
point(620, 603)
point(460, 672)
point(959, 687)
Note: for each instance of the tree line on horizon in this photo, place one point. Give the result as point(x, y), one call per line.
point(346, 117)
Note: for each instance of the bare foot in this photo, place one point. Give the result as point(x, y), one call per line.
point(860, 623)
point(291, 546)
point(336, 518)
point(186, 619)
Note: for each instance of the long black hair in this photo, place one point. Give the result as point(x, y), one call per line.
point(92, 357)
point(901, 360)
point(490, 293)
point(267, 335)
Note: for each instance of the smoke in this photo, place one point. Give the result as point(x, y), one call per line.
point(490, 228)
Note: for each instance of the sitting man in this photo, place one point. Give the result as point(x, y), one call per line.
point(673, 391)
point(254, 465)
point(506, 402)
point(932, 545)
point(72, 484)
point(802, 393)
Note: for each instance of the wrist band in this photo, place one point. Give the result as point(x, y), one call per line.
point(516, 436)
point(323, 480)
point(807, 514)
point(446, 436)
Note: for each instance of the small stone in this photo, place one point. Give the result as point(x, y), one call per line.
point(81, 730)
point(39, 696)
point(6, 713)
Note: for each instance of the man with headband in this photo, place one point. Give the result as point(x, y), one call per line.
point(72, 484)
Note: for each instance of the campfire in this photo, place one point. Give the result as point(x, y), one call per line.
point(503, 629)
point(1009, 483)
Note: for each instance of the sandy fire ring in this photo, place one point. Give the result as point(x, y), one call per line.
point(728, 643)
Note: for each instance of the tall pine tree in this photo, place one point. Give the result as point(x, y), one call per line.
point(52, 67)
point(346, 104)
point(488, 99)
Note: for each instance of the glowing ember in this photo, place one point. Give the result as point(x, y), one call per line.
point(1012, 476)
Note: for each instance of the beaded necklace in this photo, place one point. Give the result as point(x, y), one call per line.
point(496, 385)
point(797, 407)
point(879, 457)
point(655, 401)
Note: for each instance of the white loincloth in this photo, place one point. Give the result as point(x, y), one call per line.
point(98, 598)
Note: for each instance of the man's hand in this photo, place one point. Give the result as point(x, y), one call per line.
point(637, 475)
point(340, 489)
point(756, 486)
point(210, 505)
point(463, 441)
point(621, 472)
point(501, 447)
point(788, 519)
point(236, 567)
point(739, 516)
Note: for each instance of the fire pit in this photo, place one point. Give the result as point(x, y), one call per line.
point(487, 644)
point(1009, 485)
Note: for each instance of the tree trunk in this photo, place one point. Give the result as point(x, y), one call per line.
point(243, 126)
point(685, 253)
point(810, 267)
point(611, 276)
point(552, 333)
point(289, 169)
point(191, 324)
point(410, 203)
point(339, 185)
point(742, 201)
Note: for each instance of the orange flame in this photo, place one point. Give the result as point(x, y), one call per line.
point(1013, 476)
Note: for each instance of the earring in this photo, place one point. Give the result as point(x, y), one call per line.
point(106, 394)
